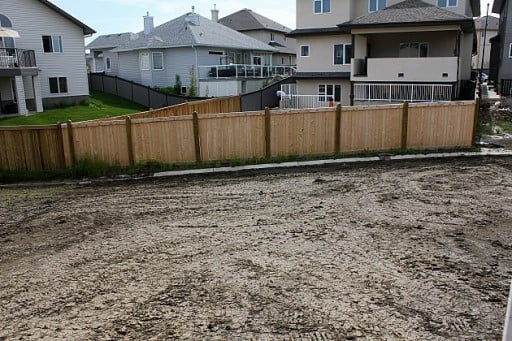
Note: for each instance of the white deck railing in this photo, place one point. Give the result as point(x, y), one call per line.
point(403, 92)
point(306, 101)
point(244, 71)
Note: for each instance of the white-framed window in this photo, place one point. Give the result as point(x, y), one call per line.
point(322, 6)
point(144, 61)
point(58, 85)
point(342, 53)
point(158, 60)
point(108, 63)
point(304, 50)
point(52, 44)
point(510, 51)
point(413, 50)
point(447, 3)
point(329, 92)
point(376, 5)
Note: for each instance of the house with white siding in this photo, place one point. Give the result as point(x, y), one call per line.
point(214, 59)
point(361, 51)
point(42, 60)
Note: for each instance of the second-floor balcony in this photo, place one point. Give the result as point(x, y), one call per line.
point(244, 71)
point(17, 58)
point(421, 69)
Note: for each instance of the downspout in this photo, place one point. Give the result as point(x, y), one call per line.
point(352, 68)
point(197, 71)
point(458, 85)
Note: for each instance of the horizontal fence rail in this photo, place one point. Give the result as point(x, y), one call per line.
point(193, 137)
point(403, 92)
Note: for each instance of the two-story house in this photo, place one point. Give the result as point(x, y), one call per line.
point(501, 54)
point(265, 30)
point(352, 51)
point(209, 57)
point(42, 61)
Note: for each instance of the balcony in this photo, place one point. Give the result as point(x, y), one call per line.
point(431, 69)
point(17, 59)
point(244, 71)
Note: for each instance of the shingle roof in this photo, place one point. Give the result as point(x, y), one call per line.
point(247, 20)
point(111, 40)
point(408, 12)
point(190, 29)
point(87, 30)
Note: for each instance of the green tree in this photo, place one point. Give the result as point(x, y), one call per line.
point(177, 85)
point(192, 91)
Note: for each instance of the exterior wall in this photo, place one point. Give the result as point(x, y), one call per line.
point(310, 87)
point(129, 66)
point(279, 37)
point(477, 60)
point(465, 56)
point(505, 70)
point(306, 18)
point(321, 53)
point(32, 20)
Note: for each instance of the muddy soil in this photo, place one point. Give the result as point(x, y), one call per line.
point(383, 251)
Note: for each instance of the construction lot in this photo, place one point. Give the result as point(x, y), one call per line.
point(417, 250)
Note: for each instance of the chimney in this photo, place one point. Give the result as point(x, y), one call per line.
point(215, 14)
point(148, 24)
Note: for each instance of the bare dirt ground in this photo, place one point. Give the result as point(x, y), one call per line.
point(385, 251)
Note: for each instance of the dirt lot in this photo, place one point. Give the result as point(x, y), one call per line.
point(408, 250)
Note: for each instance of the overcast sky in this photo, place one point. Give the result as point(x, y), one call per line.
point(117, 16)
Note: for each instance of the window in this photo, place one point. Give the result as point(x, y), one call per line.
point(510, 51)
point(58, 85)
point(52, 44)
point(413, 50)
point(144, 61)
point(158, 61)
point(328, 92)
point(108, 64)
point(447, 3)
point(272, 36)
point(322, 6)
point(304, 51)
point(375, 5)
point(342, 53)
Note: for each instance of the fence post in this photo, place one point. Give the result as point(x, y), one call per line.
point(72, 155)
point(337, 130)
point(60, 138)
point(197, 141)
point(129, 140)
point(475, 120)
point(405, 124)
point(268, 127)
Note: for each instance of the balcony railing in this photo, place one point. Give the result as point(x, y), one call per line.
point(244, 71)
point(403, 92)
point(306, 101)
point(431, 69)
point(17, 58)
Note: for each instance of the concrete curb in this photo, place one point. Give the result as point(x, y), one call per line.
point(332, 162)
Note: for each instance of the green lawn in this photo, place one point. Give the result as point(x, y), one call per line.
point(99, 105)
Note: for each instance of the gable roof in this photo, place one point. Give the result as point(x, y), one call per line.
point(409, 13)
point(87, 30)
point(247, 20)
point(190, 29)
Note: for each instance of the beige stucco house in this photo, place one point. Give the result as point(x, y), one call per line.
point(353, 51)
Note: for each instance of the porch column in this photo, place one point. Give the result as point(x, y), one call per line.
point(37, 93)
point(20, 95)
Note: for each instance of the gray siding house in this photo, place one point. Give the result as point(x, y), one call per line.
point(43, 63)
point(501, 59)
point(265, 30)
point(361, 51)
point(215, 59)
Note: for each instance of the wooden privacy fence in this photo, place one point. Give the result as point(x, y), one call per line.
point(244, 135)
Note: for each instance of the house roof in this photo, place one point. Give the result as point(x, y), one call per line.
point(87, 30)
point(190, 29)
point(497, 6)
point(409, 13)
point(493, 23)
point(317, 31)
point(247, 20)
